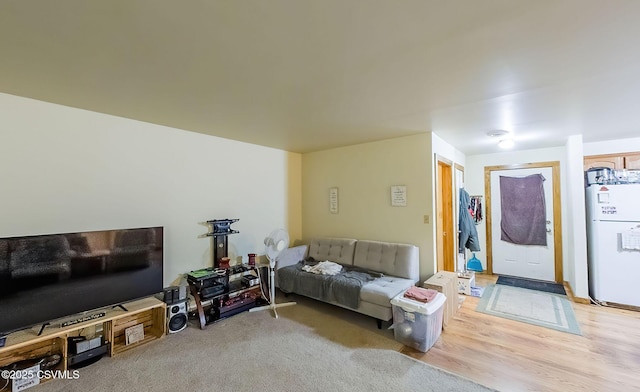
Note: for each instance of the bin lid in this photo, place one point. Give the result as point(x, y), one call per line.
point(411, 305)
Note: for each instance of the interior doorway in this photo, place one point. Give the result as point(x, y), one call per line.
point(458, 174)
point(445, 233)
point(532, 261)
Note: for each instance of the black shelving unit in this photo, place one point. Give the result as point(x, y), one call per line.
point(235, 298)
point(220, 231)
point(212, 304)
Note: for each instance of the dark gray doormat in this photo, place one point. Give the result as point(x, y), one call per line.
point(531, 284)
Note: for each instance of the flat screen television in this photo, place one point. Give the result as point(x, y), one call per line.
point(49, 277)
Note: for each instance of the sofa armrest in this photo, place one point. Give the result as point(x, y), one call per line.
point(291, 256)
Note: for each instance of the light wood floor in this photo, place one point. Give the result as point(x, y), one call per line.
point(513, 356)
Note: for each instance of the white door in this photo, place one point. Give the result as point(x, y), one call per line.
point(525, 261)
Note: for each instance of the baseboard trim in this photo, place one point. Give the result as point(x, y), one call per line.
point(572, 297)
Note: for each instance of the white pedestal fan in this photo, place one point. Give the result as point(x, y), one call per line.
point(275, 243)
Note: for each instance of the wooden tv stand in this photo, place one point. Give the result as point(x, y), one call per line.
point(27, 345)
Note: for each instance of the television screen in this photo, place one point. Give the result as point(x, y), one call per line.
point(47, 277)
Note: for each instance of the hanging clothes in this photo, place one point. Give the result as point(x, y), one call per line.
point(523, 210)
point(478, 215)
point(468, 236)
point(476, 209)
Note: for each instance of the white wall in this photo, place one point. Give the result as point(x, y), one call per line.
point(446, 150)
point(575, 267)
point(474, 184)
point(612, 146)
point(364, 174)
point(65, 170)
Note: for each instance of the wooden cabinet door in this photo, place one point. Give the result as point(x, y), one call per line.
point(632, 161)
point(610, 161)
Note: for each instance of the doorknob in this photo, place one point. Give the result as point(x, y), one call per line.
point(548, 230)
point(548, 221)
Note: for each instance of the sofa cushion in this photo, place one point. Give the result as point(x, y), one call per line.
point(338, 250)
point(287, 257)
point(382, 290)
point(291, 256)
point(400, 260)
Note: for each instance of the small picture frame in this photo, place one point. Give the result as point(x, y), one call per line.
point(134, 334)
point(333, 200)
point(399, 196)
point(27, 378)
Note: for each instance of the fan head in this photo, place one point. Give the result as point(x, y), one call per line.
point(275, 243)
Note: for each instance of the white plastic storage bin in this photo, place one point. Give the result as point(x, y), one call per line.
point(417, 324)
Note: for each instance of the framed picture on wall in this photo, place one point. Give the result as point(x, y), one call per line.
point(399, 196)
point(333, 200)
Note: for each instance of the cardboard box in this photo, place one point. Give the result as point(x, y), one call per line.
point(447, 283)
point(465, 281)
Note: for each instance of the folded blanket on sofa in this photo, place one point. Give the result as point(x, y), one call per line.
point(343, 288)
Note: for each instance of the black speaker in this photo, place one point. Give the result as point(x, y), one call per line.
point(174, 294)
point(177, 317)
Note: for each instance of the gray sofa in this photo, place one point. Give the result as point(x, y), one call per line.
point(389, 269)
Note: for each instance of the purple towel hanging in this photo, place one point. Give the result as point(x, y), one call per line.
point(523, 210)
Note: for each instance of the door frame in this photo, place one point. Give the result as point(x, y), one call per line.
point(456, 213)
point(445, 247)
point(557, 211)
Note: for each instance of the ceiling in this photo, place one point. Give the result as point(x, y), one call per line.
point(305, 75)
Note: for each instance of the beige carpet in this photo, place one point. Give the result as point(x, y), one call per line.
point(311, 347)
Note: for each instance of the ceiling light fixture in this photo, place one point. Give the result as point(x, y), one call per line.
point(497, 133)
point(505, 143)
